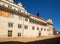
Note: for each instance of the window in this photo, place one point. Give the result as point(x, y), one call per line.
point(37, 28)
point(44, 29)
point(26, 27)
point(26, 19)
point(41, 29)
point(47, 29)
point(32, 20)
point(19, 26)
point(9, 33)
point(19, 34)
point(10, 25)
point(33, 28)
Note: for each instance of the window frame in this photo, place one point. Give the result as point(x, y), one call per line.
point(19, 34)
point(26, 27)
point(26, 19)
point(33, 28)
point(37, 28)
point(10, 25)
point(19, 26)
point(9, 33)
point(41, 29)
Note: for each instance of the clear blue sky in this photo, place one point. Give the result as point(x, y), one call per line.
point(47, 8)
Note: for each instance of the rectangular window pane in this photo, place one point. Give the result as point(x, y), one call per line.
point(19, 34)
point(9, 33)
point(26, 19)
point(41, 29)
point(10, 25)
point(44, 29)
point(32, 21)
point(33, 28)
point(19, 26)
point(37, 28)
point(26, 27)
point(47, 29)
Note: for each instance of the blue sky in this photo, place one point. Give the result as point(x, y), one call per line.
point(47, 9)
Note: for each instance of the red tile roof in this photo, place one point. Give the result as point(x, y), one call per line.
point(54, 30)
point(37, 17)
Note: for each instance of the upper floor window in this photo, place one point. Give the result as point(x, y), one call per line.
point(33, 27)
point(44, 29)
point(26, 19)
point(37, 28)
point(19, 26)
point(10, 25)
point(32, 20)
point(26, 27)
point(47, 29)
point(41, 29)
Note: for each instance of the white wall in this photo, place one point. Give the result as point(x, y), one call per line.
point(25, 32)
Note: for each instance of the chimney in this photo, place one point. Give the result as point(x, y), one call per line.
point(38, 14)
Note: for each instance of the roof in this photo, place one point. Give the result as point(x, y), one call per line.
point(54, 30)
point(37, 17)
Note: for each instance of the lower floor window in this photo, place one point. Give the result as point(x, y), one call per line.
point(19, 34)
point(9, 33)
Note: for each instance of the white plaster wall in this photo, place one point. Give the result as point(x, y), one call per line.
point(35, 32)
point(4, 26)
point(26, 32)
